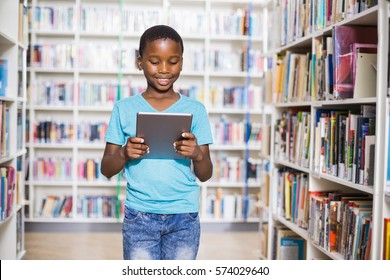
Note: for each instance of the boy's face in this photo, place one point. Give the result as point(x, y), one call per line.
point(161, 62)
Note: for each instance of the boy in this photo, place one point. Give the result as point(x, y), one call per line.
point(162, 196)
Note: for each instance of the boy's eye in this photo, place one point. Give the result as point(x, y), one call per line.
point(173, 62)
point(154, 62)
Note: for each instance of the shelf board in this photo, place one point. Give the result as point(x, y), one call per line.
point(4, 159)
point(100, 183)
point(332, 255)
point(292, 165)
point(53, 33)
point(366, 189)
point(222, 220)
point(51, 107)
point(238, 111)
point(6, 40)
point(229, 184)
point(230, 147)
point(97, 108)
point(51, 145)
point(50, 70)
point(336, 102)
point(49, 183)
point(91, 146)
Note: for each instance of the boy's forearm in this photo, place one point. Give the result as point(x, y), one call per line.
point(112, 164)
point(203, 169)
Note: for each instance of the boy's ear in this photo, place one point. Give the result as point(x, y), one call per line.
point(139, 63)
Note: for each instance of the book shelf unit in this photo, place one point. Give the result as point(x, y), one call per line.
point(88, 65)
point(384, 64)
point(306, 167)
point(13, 49)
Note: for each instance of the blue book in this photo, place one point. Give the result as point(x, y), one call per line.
point(292, 248)
point(3, 76)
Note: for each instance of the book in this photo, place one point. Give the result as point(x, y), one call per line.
point(3, 76)
point(292, 248)
point(343, 39)
point(358, 51)
point(282, 232)
point(365, 80)
point(386, 238)
point(369, 162)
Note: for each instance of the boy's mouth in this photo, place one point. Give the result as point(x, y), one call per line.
point(163, 81)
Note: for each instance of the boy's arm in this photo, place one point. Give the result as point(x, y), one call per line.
point(115, 156)
point(203, 167)
point(200, 155)
point(113, 160)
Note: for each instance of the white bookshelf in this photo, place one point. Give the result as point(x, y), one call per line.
point(198, 73)
point(13, 49)
point(375, 16)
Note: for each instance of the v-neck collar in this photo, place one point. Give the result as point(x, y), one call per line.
point(143, 100)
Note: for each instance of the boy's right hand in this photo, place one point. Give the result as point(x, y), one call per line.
point(134, 148)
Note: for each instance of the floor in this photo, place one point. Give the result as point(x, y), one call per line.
point(108, 246)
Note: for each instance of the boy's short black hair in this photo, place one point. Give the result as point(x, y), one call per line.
point(159, 32)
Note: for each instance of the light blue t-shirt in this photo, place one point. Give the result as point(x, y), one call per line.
point(162, 186)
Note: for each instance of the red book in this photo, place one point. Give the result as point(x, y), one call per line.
point(344, 37)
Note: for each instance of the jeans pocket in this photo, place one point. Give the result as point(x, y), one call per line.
point(131, 214)
point(193, 216)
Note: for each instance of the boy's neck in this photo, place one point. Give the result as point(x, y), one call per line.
point(161, 101)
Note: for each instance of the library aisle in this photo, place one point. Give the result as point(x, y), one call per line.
point(108, 246)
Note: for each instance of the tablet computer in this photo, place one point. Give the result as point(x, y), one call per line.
point(160, 130)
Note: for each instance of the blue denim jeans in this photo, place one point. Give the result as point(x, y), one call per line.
point(148, 236)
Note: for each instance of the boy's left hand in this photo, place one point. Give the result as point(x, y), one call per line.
point(188, 147)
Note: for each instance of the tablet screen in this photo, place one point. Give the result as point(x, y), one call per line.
point(160, 130)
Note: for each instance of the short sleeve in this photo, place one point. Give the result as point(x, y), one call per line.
point(115, 134)
point(201, 127)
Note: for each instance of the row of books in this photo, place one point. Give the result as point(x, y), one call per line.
point(100, 206)
point(89, 170)
point(236, 22)
point(91, 132)
point(125, 20)
point(188, 21)
point(63, 18)
point(229, 206)
point(251, 61)
point(4, 128)
point(292, 196)
point(342, 65)
point(106, 93)
point(341, 222)
point(55, 206)
point(292, 137)
point(51, 131)
point(7, 191)
point(53, 93)
point(113, 57)
point(52, 168)
point(240, 96)
point(235, 169)
point(287, 244)
point(300, 18)
point(130, 21)
point(345, 144)
point(236, 132)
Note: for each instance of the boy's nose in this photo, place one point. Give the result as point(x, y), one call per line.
point(163, 68)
